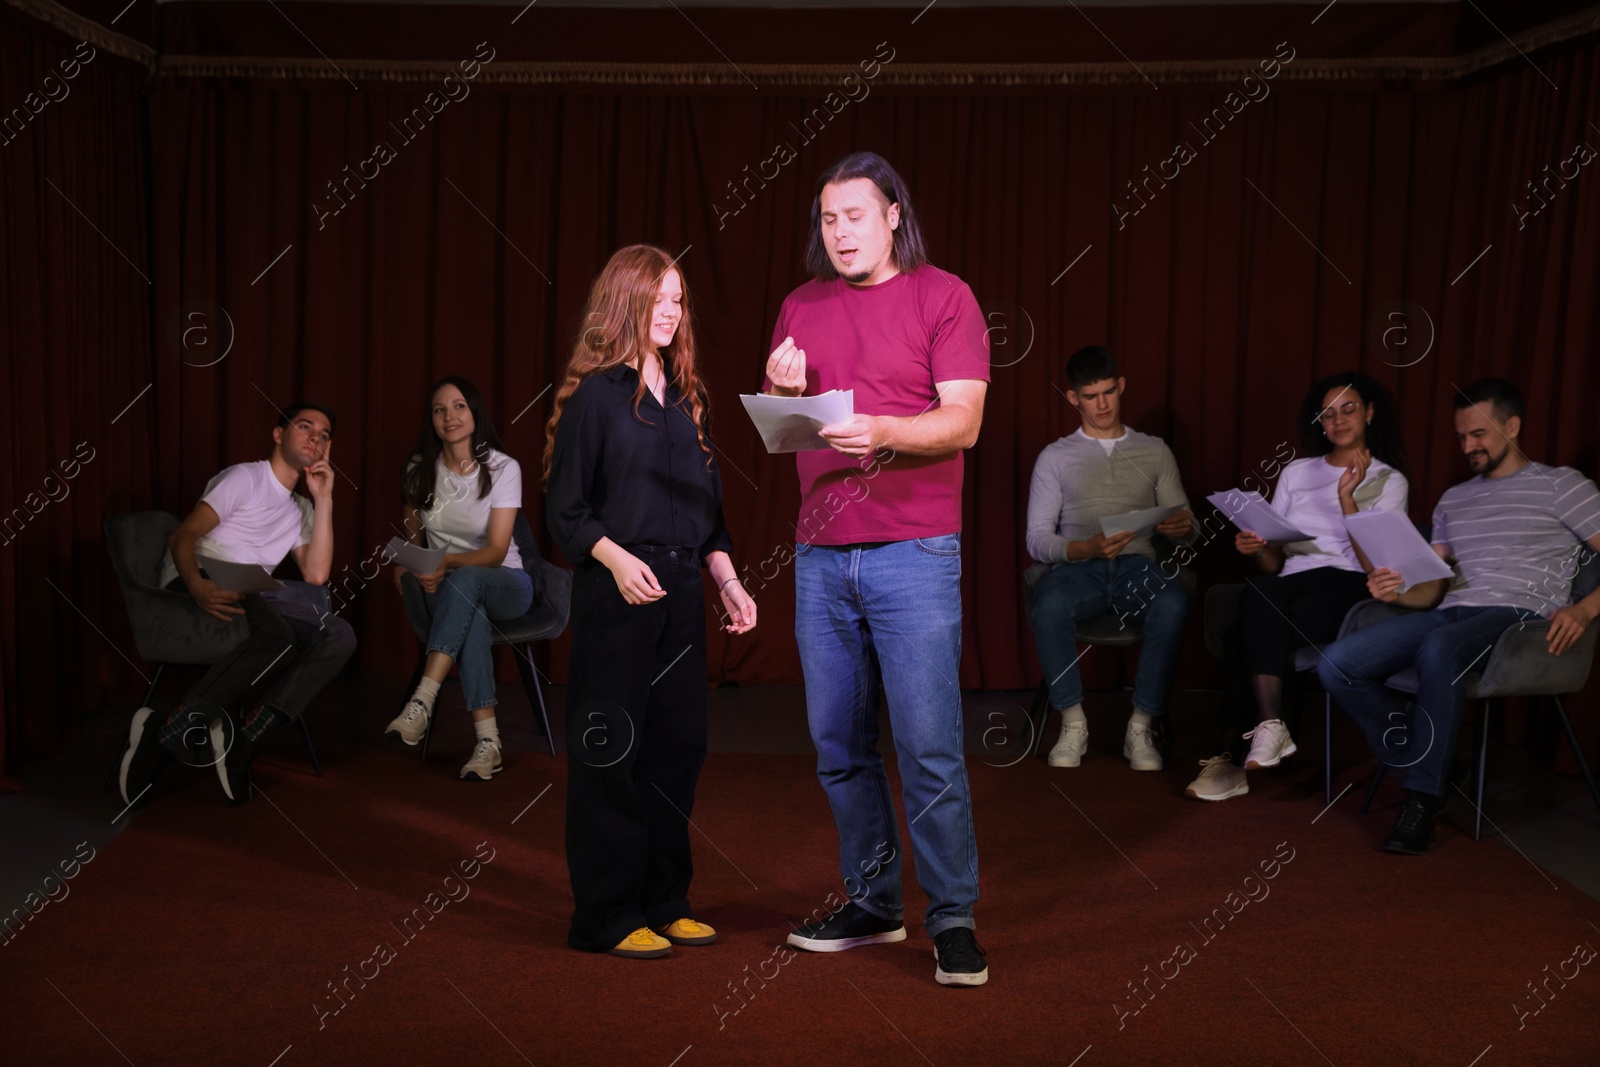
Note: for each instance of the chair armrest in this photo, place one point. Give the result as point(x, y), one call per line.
point(1368, 612)
point(1521, 664)
point(1030, 581)
point(169, 627)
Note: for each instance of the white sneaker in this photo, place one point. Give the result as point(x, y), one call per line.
point(485, 761)
point(1269, 744)
point(1219, 779)
point(1139, 746)
point(411, 725)
point(1068, 752)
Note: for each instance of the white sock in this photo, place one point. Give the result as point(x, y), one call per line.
point(1073, 714)
point(486, 728)
point(1139, 718)
point(427, 692)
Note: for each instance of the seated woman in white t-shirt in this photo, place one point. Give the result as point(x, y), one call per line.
point(462, 494)
point(1352, 461)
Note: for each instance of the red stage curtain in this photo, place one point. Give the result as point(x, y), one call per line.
point(1272, 257)
point(74, 304)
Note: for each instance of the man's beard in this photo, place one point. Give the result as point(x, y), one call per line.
point(1491, 461)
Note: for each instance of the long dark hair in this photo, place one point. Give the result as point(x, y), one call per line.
point(417, 477)
point(910, 250)
point(615, 330)
point(1382, 434)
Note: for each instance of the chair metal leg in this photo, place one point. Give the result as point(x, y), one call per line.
point(530, 685)
point(305, 735)
point(1483, 759)
point(1039, 713)
point(150, 694)
point(1327, 748)
point(1577, 751)
point(1372, 790)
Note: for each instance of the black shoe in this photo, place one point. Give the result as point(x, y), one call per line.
point(144, 760)
point(849, 927)
point(232, 760)
point(1413, 831)
point(960, 958)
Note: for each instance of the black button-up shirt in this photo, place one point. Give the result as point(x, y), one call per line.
point(612, 475)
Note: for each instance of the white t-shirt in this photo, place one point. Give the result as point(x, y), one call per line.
point(1307, 494)
point(261, 520)
point(1107, 443)
point(458, 521)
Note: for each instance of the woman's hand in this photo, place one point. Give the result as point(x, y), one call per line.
point(430, 582)
point(740, 605)
point(635, 581)
point(1248, 543)
point(1353, 475)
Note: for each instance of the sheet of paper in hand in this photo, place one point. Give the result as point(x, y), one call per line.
point(1142, 523)
point(790, 423)
point(1390, 540)
point(413, 558)
point(238, 577)
point(1249, 510)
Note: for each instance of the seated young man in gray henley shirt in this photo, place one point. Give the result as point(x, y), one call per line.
point(1101, 470)
point(1517, 531)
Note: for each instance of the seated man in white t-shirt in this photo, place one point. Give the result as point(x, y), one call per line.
point(250, 513)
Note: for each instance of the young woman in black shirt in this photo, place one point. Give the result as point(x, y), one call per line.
point(635, 501)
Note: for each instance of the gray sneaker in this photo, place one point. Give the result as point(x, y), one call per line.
point(485, 761)
point(1219, 779)
point(1270, 744)
point(411, 725)
point(1139, 748)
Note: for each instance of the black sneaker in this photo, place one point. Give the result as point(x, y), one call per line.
point(960, 958)
point(850, 927)
point(1413, 831)
point(143, 760)
point(232, 752)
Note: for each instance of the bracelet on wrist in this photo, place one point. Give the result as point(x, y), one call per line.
point(724, 585)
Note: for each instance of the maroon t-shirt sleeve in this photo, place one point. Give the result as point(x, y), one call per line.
point(960, 348)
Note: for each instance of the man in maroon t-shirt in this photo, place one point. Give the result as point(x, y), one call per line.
point(878, 553)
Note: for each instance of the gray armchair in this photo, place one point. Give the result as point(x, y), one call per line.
point(168, 626)
point(1519, 665)
point(545, 620)
point(1107, 630)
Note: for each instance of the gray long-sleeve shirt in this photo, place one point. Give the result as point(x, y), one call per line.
point(1075, 484)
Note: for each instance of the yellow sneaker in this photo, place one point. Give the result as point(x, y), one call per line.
point(642, 945)
point(689, 932)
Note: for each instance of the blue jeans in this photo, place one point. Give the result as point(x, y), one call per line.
point(465, 608)
point(895, 606)
point(1130, 586)
point(1445, 645)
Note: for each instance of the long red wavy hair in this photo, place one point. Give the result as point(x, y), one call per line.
point(615, 330)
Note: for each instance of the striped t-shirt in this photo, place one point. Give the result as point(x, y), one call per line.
point(1515, 539)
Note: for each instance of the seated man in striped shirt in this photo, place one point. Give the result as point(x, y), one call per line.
point(1514, 533)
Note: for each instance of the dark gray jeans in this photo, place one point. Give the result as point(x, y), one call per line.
point(296, 645)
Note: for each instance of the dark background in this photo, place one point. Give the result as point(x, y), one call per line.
point(190, 152)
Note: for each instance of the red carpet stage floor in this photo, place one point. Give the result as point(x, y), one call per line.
point(1124, 925)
